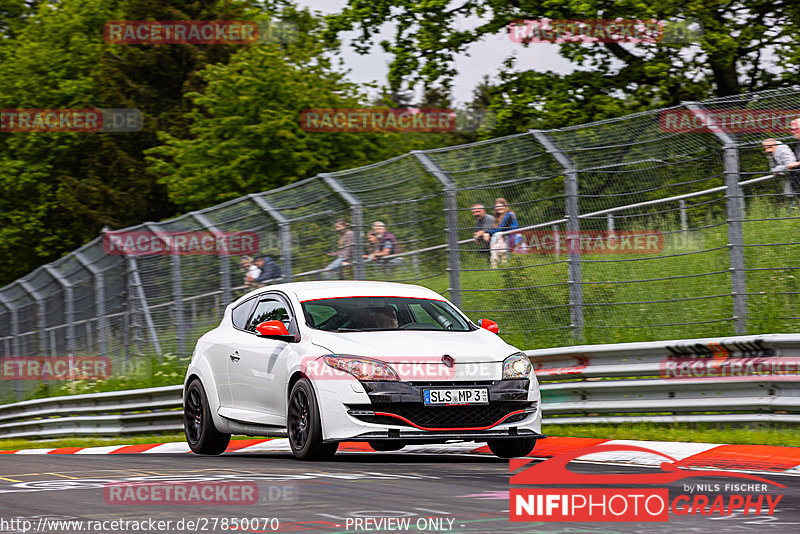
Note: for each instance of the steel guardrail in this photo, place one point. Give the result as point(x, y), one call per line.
point(587, 384)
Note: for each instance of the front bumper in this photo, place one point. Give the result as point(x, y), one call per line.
point(396, 411)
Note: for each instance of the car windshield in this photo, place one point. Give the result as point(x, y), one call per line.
point(362, 314)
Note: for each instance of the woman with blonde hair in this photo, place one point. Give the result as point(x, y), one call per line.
point(504, 220)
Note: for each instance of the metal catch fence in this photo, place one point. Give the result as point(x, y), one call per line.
point(632, 229)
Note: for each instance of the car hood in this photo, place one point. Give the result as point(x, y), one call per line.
point(479, 346)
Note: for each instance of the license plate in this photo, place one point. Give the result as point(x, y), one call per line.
point(449, 397)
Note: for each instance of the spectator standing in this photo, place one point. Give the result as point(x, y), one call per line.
point(344, 253)
point(251, 270)
point(781, 161)
point(372, 243)
point(483, 223)
point(794, 175)
point(386, 243)
point(504, 220)
point(270, 270)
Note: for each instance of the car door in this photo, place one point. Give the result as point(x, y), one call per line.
point(257, 371)
point(220, 347)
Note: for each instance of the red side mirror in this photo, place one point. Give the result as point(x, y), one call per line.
point(489, 325)
point(272, 328)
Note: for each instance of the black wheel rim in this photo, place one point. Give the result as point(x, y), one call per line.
point(298, 419)
point(193, 415)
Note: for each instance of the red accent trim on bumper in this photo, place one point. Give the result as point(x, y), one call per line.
point(445, 429)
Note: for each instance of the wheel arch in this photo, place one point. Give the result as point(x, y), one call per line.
point(296, 376)
point(200, 370)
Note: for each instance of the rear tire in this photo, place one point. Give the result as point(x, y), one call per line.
point(201, 434)
point(304, 425)
point(512, 447)
point(386, 445)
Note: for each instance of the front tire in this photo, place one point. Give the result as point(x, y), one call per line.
point(512, 447)
point(304, 424)
point(201, 434)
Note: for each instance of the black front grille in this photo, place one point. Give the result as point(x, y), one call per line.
point(442, 416)
point(462, 383)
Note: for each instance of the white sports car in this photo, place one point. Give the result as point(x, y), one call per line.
point(386, 363)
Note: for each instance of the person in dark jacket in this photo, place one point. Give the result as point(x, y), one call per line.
point(270, 270)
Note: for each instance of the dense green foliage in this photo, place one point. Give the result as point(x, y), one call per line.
point(221, 120)
point(611, 79)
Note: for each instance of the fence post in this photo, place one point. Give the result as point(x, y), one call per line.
point(573, 228)
point(15, 348)
point(138, 289)
point(357, 222)
point(286, 234)
point(40, 313)
point(224, 261)
point(99, 301)
point(177, 292)
point(735, 216)
point(69, 305)
point(177, 297)
point(451, 222)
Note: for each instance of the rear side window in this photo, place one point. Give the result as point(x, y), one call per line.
point(269, 310)
point(241, 313)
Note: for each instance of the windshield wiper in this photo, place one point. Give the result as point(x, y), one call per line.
point(350, 330)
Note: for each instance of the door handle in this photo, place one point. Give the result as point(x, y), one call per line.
point(235, 356)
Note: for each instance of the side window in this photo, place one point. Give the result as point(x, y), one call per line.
point(444, 316)
point(241, 313)
point(421, 315)
point(318, 314)
point(268, 310)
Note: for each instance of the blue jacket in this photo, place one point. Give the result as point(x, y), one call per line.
point(509, 222)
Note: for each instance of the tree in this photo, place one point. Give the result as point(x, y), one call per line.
point(731, 56)
point(60, 189)
point(245, 133)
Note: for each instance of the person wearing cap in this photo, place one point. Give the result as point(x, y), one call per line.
point(781, 161)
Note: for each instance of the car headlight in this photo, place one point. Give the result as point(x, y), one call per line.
point(362, 368)
point(516, 366)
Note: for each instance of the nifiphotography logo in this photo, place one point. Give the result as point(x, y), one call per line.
point(746, 495)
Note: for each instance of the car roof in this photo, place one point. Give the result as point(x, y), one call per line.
point(348, 288)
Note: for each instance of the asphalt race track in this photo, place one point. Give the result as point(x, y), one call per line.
point(434, 492)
